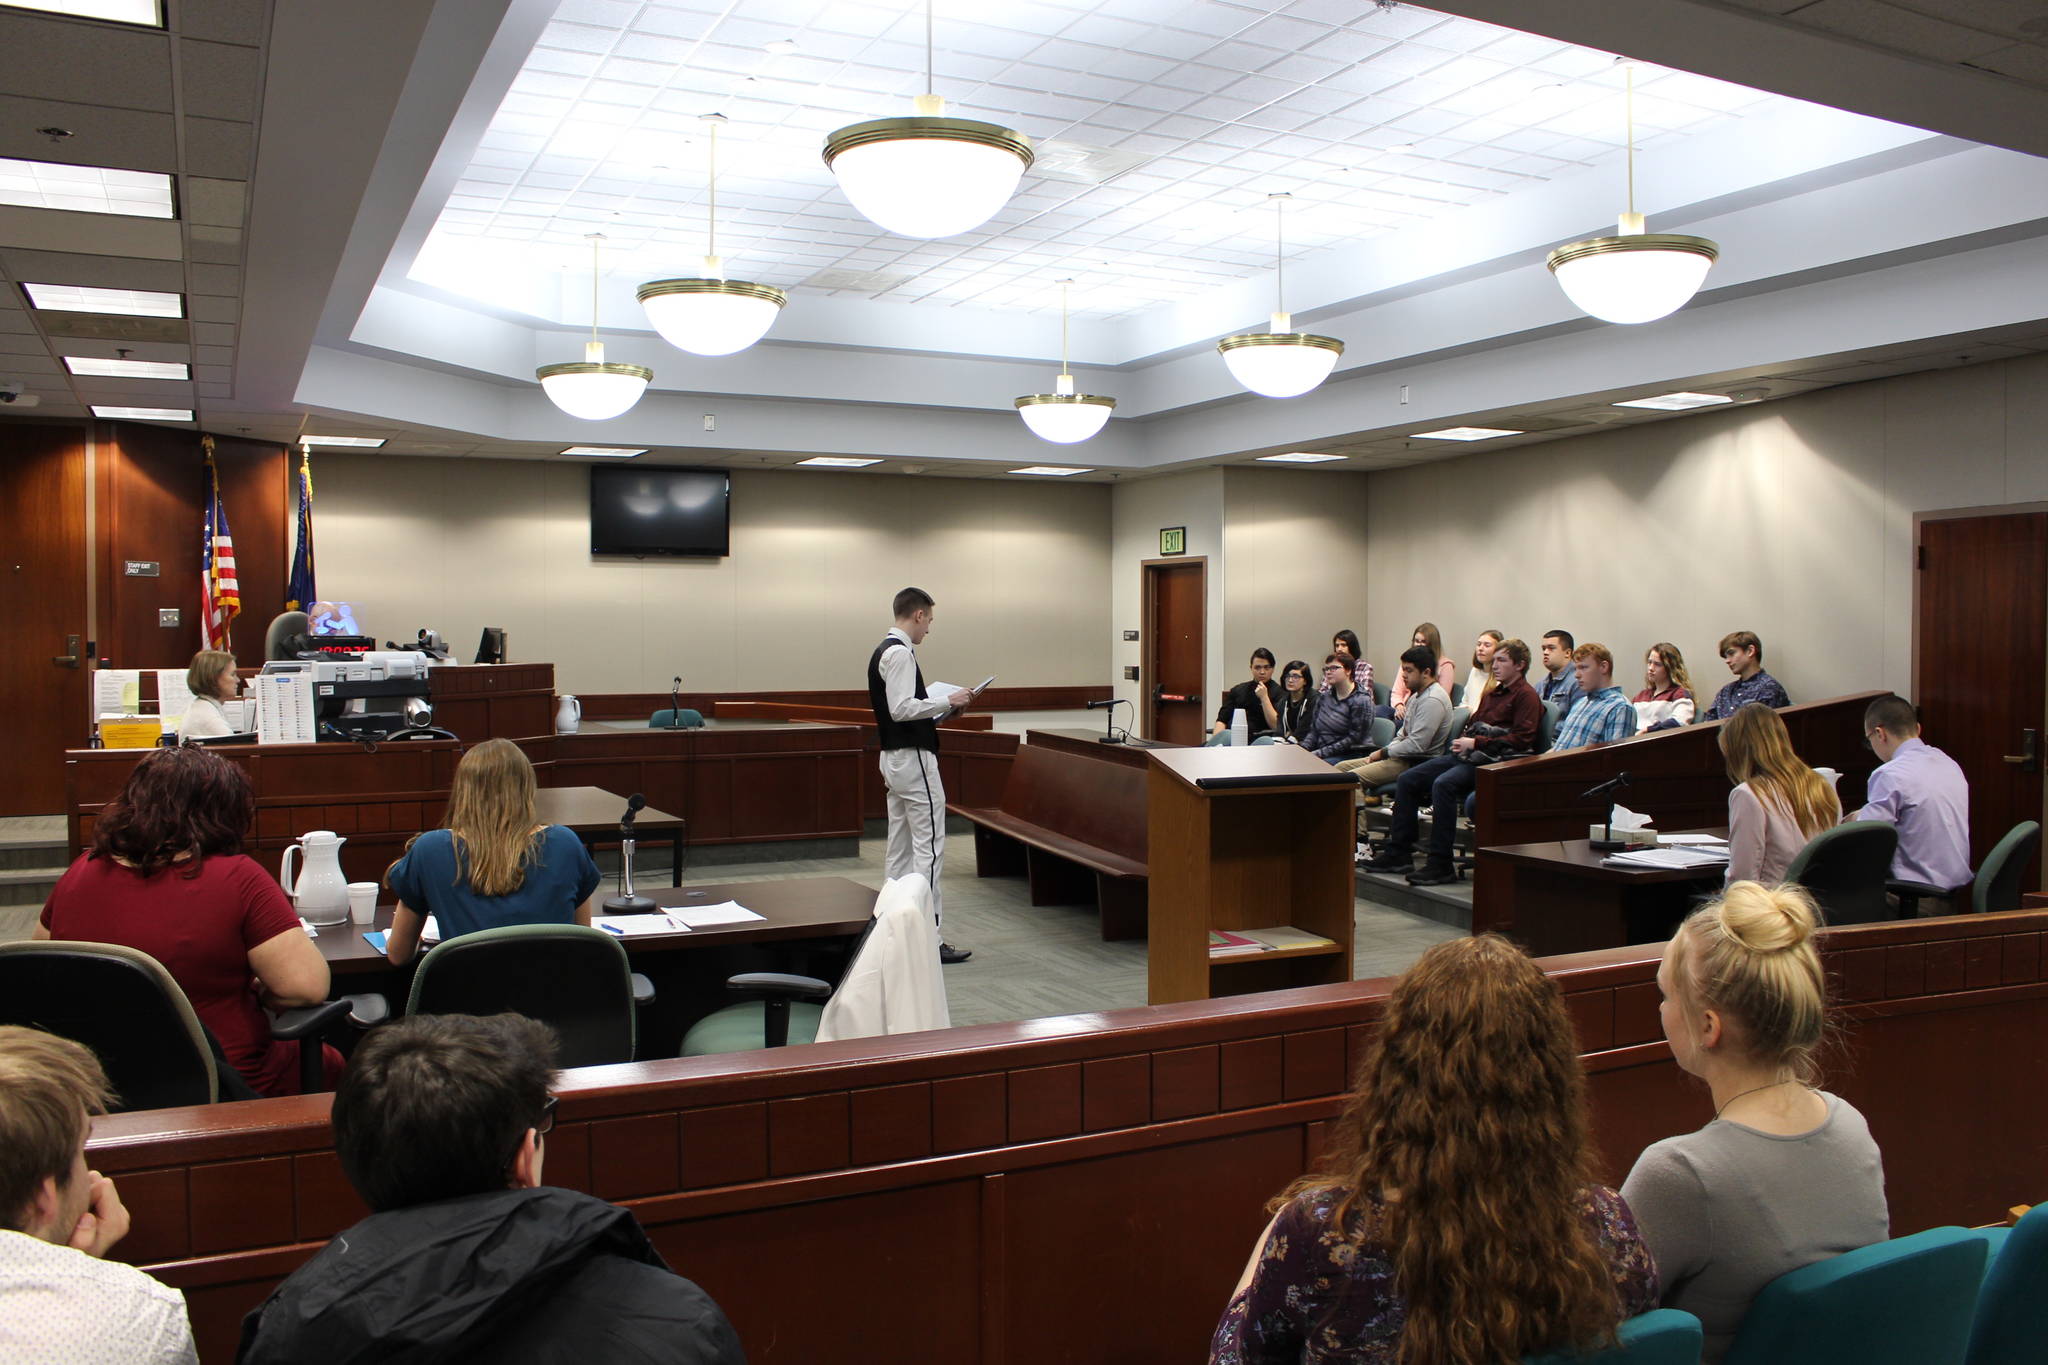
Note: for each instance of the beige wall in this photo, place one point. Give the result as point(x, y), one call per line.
point(1793, 519)
point(1017, 568)
point(1295, 565)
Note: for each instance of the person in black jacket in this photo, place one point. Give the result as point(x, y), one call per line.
point(1257, 698)
point(441, 1125)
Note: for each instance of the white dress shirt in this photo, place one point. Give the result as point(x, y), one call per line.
point(61, 1306)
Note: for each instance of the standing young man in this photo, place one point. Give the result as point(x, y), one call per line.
point(1744, 655)
point(60, 1299)
point(1560, 681)
point(907, 725)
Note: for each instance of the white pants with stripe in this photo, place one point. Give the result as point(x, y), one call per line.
point(917, 818)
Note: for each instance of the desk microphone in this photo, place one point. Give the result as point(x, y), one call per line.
point(1098, 705)
point(1613, 784)
point(675, 704)
point(627, 902)
point(1109, 734)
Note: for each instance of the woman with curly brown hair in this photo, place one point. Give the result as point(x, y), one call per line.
point(166, 875)
point(1453, 1221)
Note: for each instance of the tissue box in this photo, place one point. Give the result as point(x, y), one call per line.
point(1634, 838)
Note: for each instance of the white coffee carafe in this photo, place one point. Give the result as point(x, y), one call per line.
point(321, 889)
point(568, 715)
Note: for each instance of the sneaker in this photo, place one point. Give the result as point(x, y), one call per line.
point(949, 955)
point(1368, 800)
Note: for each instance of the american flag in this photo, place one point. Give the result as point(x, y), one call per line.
point(220, 595)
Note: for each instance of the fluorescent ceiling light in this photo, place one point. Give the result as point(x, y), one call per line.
point(610, 452)
point(839, 462)
point(127, 369)
point(146, 12)
point(1051, 471)
point(85, 189)
point(1464, 434)
point(1676, 402)
point(82, 298)
point(366, 442)
point(1300, 457)
point(144, 414)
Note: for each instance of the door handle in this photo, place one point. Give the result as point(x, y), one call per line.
point(67, 660)
point(2028, 759)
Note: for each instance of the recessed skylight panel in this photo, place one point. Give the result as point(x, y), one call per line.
point(85, 189)
point(80, 298)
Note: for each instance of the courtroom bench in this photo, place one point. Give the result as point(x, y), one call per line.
point(1076, 827)
point(1085, 1188)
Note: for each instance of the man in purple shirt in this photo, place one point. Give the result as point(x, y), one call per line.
point(1921, 790)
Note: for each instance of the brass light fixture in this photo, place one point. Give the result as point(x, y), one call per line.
point(711, 315)
point(590, 388)
point(1280, 362)
point(1063, 416)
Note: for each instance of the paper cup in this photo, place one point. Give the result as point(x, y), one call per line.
point(362, 901)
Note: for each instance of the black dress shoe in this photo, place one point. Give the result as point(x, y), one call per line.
point(1388, 863)
point(1433, 874)
point(949, 955)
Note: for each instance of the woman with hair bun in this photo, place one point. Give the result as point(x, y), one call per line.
point(1454, 1220)
point(1784, 1174)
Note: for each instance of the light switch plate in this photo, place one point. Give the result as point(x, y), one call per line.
point(1130, 673)
point(167, 616)
point(1130, 635)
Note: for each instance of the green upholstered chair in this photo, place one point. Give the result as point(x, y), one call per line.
point(1382, 733)
point(1997, 885)
point(684, 719)
point(574, 979)
point(1662, 1336)
point(783, 1009)
point(1845, 870)
point(1908, 1301)
point(2011, 1327)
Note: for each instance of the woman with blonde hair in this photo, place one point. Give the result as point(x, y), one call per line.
point(212, 680)
point(1480, 680)
point(1784, 1174)
point(1666, 701)
point(1778, 802)
point(1453, 1221)
point(1427, 636)
point(492, 863)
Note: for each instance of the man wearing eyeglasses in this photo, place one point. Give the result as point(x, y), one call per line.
point(1342, 727)
point(441, 1125)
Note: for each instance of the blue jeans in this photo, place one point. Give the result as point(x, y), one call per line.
point(1444, 782)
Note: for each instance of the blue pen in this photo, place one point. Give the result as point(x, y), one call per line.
point(612, 929)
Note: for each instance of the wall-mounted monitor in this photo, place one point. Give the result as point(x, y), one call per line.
point(660, 511)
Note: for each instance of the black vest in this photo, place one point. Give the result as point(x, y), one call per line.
point(892, 733)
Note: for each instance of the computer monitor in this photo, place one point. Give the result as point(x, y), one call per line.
point(331, 618)
point(491, 649)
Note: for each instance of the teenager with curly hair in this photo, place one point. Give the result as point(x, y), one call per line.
point(1454, 1220)
point(1785, 1174)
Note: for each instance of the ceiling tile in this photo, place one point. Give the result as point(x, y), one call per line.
point(55, 59)
point(218, 80)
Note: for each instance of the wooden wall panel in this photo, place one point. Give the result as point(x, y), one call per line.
point(43, 602)
point(1084, 1189)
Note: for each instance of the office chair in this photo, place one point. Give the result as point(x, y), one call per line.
point(786, 1009)
point(1546, 726)
point(123, 1004)
point(1908, 1301)
point(1382, 694)
point(1845, 869)
point(1662, 1336)
point(685, 719)
point(2012, 1307)
point(1996, 886)
point(574, 979)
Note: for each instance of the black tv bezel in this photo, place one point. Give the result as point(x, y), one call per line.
point(657, 551)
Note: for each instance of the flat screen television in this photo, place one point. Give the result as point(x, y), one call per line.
point(660, 511)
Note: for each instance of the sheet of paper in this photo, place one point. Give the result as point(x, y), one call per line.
point(173, 697)
point(638, 926)
point(704, 916)
point(117, 691)
point(1673, 859)
point(1706, 839)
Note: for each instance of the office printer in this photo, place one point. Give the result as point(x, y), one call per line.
point(372, 697)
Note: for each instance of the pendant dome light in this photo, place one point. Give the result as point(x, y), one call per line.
point(589, 388)
point(1063, 416)
point(711, 315)
point(1280, 362)
point(928, 175)
point(1635, 275)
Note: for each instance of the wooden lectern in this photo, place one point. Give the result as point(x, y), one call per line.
point(1242, 841)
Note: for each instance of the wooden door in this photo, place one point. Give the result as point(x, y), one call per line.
point(1981, 663)
point(1176, 642)
point(42, 602)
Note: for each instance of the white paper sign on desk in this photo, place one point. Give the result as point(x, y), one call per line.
point(705, 916)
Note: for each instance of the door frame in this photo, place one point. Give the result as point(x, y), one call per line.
point(1149, 668)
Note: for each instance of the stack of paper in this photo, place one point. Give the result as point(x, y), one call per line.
point(705, 916)
point(1675, 858)
point(284, 708)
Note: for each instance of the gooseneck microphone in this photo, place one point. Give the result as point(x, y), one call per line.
point(627, 902)
point(675, 703)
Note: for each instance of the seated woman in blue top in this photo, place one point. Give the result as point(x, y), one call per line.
point(494, 864)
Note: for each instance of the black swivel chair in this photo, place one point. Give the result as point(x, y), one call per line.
point(124, 1005)
point(1845, 868)
point(1997, 885)
point(574, 979)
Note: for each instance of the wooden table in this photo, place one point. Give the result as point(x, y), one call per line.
point(1557, 897)
point(592, 814)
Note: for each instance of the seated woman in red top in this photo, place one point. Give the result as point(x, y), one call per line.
point(1454, 1220)
point(166, 875)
